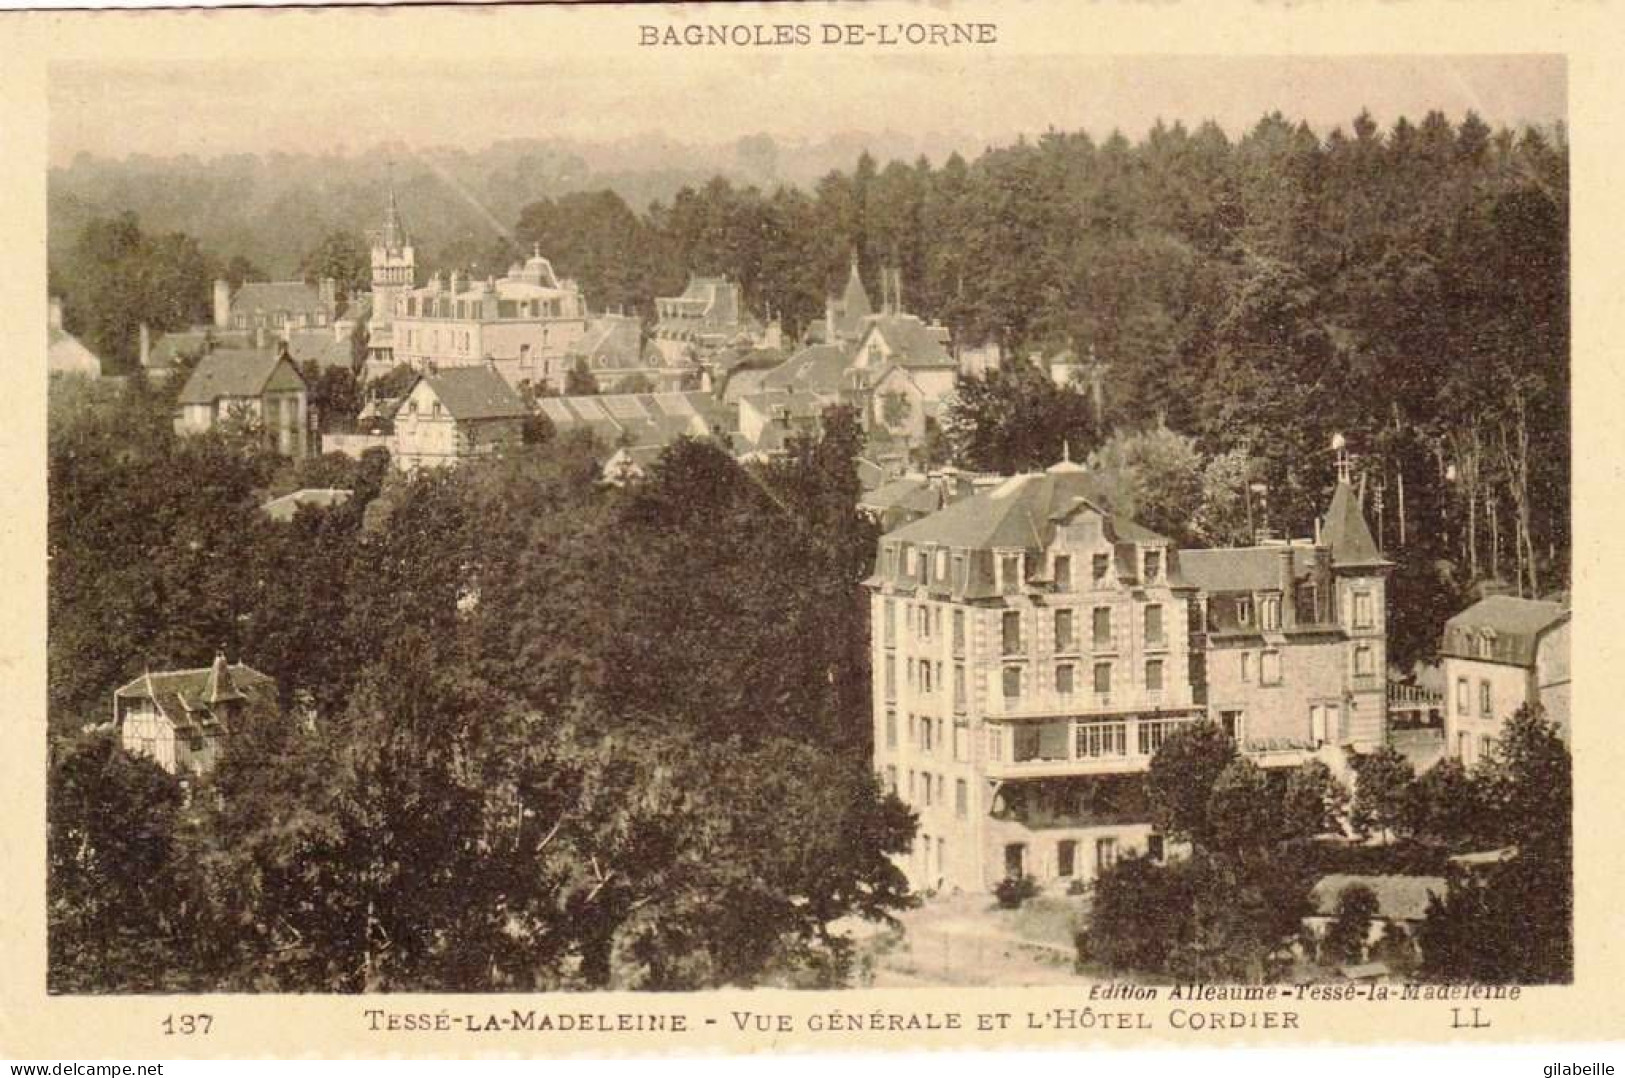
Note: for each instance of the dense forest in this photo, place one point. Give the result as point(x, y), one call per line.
point(1405, 287)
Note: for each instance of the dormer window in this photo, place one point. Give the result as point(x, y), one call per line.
point(1153, 567)
point(1010, 573)
point(1102, 569)
point(942, 565)
point(1063, 572)
point(1269, 612)
point(909, 556)
point(1244, 611)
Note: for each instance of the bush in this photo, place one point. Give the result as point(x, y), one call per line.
point(1345, 938)
point(1140, 911)
point(1013, 891)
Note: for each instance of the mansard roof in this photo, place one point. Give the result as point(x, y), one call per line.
point(1022, 512)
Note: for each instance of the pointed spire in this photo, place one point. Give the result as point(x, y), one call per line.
point(1345, 531)
point(393, 235)
point(220, 687)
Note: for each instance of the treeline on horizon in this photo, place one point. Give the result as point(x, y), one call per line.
point(1408, 288)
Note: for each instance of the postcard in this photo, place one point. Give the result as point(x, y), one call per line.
point(696, 528)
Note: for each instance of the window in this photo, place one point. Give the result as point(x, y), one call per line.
point(959, 632)
point(889, 621)
point(1269, 612)
point(1063, 679)
point(911, 785)
point(1484, 709)
point(1012, 632)
point(1362, 610)
point(925, 789)
point(891, 677)
point(925, 675)
point(1105, 853)
point(1102, 627)
point(891, 559)
point(891, 729)
point(1096, 740)
point(959, 569)
point(1101, 567)
point(1066, 858)
point(1481, 645)
point(961, 740)
point(913, 736)
point(1461, 696)
point(961, 797)
point(909, 556)
point(1486, 745)
point(959, 687)
point(1153, 847)
point(1015, 860)
point(942, 565)
point(1063, 572)
point(1153, 675)
point(1010, 573)
point(1153, 566)
point(1103, 677)
point(1064, 640)
point(891, 777)
point(1246, 666)
point(925, 734)
point(1269, 668)
point(923, 626)
point(942, 790)
point(1317, 724)
point(1233, 723)
point(1012, 683)
point(1362, 661)
point(1244, 611)
point(1153, 626)
point(995, 743)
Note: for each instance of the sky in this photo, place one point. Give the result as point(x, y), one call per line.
point(213, 107)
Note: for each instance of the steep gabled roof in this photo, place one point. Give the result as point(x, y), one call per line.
point(231, 372)
point(475, 393)
point(912, 342)
point(818, 369)
point(181, 694)
point(1344, 529)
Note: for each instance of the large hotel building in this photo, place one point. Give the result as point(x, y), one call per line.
point(1032, 651)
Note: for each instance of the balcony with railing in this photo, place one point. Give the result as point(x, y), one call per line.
point(1059, 747)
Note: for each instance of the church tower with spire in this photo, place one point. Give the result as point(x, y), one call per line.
point(394, 265)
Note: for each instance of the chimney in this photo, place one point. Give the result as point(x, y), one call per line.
point(222, 304)
point(897, 290)
point(146, 346)
point(56, 312)
point(1289, 592)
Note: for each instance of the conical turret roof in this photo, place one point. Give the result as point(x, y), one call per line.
point(1344, 529)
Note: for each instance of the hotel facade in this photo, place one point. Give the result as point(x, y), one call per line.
point(1032, 651)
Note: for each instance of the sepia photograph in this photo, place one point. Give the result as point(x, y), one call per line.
point(1105, 533)
point(753, 524)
